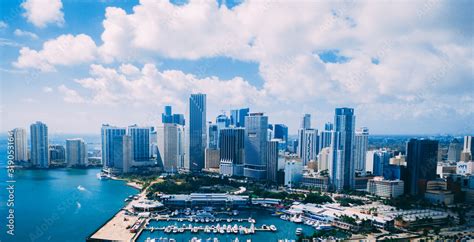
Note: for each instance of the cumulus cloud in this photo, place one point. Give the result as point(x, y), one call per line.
point(43, 12)
point(64, 50)
point(3, 25)
point(70, 95)
point(22, 33)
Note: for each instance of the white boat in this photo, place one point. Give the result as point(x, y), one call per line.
point(273, 228)
point(102, 176)
point(299, 231)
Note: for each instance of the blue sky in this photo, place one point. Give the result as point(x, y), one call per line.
point(406, 67)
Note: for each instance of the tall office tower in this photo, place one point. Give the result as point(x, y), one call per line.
point(140, 142)
point(153, 142)
point(222, 121)
point(168, 117)
point(232, 152)
point(256, 127)
point(20, 144)
point(421, 164)
point(272, 160)
point(270, 132)
point(108, 133)
point(212, 157)
point(454, 150)
point(122, 153)
point(323, 159)
point(39, 145)
point(468, 150)
point(341, 161)
point(307, 145)
point(197, 132)
point(381, 161)
point(281, 132)
point(237, 117)
point(306, 122)
point(293, 146)
point(57, 154)
point(76, 152)
point(325, 136)
point(361, 143)
point(171, 146)
point(213, 136)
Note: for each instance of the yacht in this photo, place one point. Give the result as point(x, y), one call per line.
point(299, 231)
point(273, 228)
point(102, 176)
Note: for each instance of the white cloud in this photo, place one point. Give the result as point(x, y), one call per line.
point(64, 50)
point(43, 12)
point(47, 89)
point(21, 33)
point(3, 25)
point(70, 95)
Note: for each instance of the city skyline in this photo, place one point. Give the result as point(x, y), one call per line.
point(337, 57)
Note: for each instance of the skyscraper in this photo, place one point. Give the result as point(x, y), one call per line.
point(281, 132)
point(381, 161)
point(237, 117)
point(232, 153)
point(57, 154)
point(325, 136)
point(140, 142)
point(341, 161)
point(454, 150)
point(307, 145)
point(272, 160)
point(421, 164)
point(171, 146)
point(361, 143)
point(197, 132)
point(468, 150)
point(76, 153)
point(213, 139)
point(306, 121)
point(20, 143)
point(39, 145)
point(256, 127)
point(168, 117)
point(122, 153)
point(108, 133)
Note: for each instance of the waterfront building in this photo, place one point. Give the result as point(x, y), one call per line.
point(197, 132)
point(272, 159)
point(341, 160)
point(315, 181)
point(232, 151)
point(385, 188)
point(212, 159)
point(361, 143)
point(293, 172)
point(76, 152)
point(205, 200)
point(307, 145)
point(122, 154)
point(237, 117)
point(421, 164)
point(281, 132)
point(454, 150)
point(57, 153)
point(140, 142)
point(39, 145)
point(108, 133)
point(171, 146)
point(306, 122)
point(20, 143)
point(256, 126)
point(323, 159)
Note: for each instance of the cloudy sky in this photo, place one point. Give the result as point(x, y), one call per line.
point(405, 66)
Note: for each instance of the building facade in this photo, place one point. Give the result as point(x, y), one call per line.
point(361, 144)
point(140, 142)
point(232, 151)
point(76, 152)
point(421, 160)
point(39, 145)
point(256, 127)
point(20, 143)
point(171, 146)
point(385, 188)
point(108, 134)
point(197, 132)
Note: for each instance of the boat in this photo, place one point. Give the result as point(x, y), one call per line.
point(102, 176)
point(324, 227)
point(273, 228)
point(235, 212)
point(229, 220)
point(299, 231)
point(167, 229)
point(284, 217)
point(181, 230)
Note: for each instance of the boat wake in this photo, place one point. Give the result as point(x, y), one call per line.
point(81, 188)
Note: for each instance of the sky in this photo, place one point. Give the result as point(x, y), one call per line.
point(406, 67)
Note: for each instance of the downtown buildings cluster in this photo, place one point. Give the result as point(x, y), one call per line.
point(245, 144)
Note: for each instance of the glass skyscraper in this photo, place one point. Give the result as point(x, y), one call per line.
point(39, 145)
point(306, 121)
point(21, 144)
point(280, 131)
point(237, 117)
point(168, 117)
point(197, 132)
point(422, 159)
point(272, 160)
point(341, 161)
point(231, 142)
point(213, 141)
point(256, 127)
point(140, 142)
point(361, 143)
point(108, 133)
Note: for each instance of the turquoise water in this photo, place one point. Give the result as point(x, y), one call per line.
point(58, 205)
point(285, 229)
